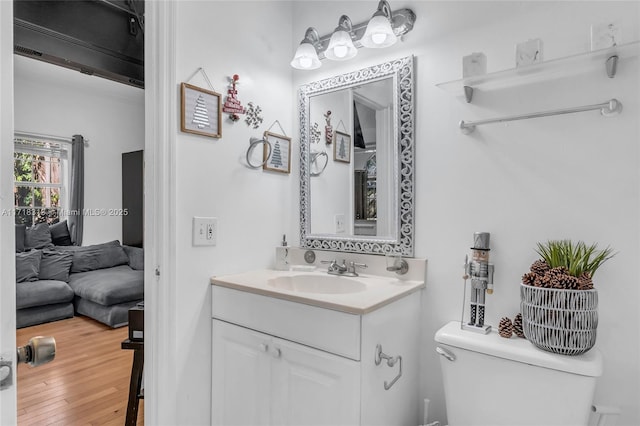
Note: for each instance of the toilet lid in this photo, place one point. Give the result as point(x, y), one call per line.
point(519, 350)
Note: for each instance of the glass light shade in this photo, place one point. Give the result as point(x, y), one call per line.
point(306, 57)
point(340, 47)
point(378, 33)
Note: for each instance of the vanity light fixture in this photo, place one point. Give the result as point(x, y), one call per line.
point(306, 57)
point(341, 46)
point(382, 30)
point(379, 32)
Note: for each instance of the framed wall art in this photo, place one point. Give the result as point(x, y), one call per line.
point(280, 158)
point(342, 147)
point(200, 111)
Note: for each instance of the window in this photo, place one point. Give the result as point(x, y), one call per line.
point(39, 189)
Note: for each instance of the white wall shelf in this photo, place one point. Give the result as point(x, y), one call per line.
point(605, 60)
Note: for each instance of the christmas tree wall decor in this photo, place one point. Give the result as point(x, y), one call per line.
point(232, 105)
point(280, 159)
point(200, 114)
point(342, 147)
point(201, 111)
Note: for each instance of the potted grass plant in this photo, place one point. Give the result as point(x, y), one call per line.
point(558, 301)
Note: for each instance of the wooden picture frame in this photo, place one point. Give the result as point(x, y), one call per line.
point(278, 159)
point(341, 147)
point(200, 111)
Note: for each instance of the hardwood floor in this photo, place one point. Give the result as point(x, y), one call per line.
point(86, 384)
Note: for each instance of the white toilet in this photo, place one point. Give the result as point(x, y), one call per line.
point(490, 380)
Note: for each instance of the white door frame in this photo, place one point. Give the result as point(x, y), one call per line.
point(8, 399)
point(161, 114)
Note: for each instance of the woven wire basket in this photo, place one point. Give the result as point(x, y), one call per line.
point(559, 321)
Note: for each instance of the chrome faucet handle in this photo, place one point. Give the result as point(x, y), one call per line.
point(334, 266)
point(351, 269)
point(332, 263)
point(354, 265)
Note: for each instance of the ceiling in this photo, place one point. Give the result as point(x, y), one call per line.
point(104, 38)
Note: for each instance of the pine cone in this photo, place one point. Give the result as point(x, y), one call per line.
point(505, 328)
point(569, 282)
point(529, 278)
point(556, 277)
point(544, 281)
point(517, 326)
point(539, 267)
point(585, 282)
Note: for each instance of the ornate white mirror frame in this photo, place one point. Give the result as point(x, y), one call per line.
point(401, 70)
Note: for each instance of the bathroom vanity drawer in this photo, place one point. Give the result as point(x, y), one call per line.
point(324, 329)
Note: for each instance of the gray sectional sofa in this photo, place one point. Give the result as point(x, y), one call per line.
point(54, 282)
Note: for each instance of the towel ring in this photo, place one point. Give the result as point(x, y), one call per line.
point(252, 144)
point(314, 159)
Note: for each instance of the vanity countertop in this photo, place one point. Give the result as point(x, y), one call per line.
point(376, 291)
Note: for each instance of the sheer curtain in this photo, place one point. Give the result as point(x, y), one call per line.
point(76, 190)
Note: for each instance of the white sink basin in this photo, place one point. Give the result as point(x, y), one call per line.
point(319, 284)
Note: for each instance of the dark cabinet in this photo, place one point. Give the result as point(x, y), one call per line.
point(133, 198)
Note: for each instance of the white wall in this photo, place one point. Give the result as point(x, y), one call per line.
point(572, 176)
point(53, 100)
point(331, 197)
point(254, 207)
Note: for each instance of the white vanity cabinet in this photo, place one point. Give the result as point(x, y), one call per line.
point(282, 362)
point(264, 380)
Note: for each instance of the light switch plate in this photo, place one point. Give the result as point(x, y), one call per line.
point(205, 231)
point(339, 222)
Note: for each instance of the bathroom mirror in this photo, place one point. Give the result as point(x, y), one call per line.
point(356, 160)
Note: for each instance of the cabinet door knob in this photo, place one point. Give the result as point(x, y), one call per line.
point(263, 347)
point(276, 352)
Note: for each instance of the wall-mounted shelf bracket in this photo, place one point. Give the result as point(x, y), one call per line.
point(468, 93)
point(612, 65)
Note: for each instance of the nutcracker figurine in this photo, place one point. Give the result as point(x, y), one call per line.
point(481, 273)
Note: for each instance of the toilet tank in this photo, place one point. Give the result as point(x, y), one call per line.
point(491, 380)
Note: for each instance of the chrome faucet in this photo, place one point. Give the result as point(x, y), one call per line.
point(344, 269)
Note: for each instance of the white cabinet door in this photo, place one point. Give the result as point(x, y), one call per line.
point(312, 387)
point(241, 375)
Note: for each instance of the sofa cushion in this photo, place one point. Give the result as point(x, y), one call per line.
point(42, 292)
point(98, 256)
point(37, 236)
point(28, 266)
point(40, 314)
point(55, 265)
point(20, 234)
point(136, 257)
point(109, 286)
point(114, 315)
point(60, 234)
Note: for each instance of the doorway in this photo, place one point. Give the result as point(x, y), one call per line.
point(58, 98)
point(160, 226)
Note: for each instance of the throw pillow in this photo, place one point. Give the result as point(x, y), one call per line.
point(99, 256)
point(28, 266)
point(37, 236)
point(20, 234)
point(55, 265)
point(136, 257)
point(60, 234)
